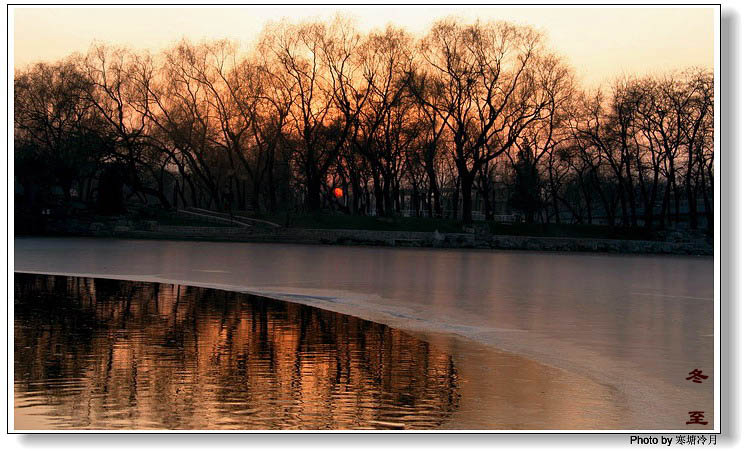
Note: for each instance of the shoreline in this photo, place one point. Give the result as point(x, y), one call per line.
point(407, 239)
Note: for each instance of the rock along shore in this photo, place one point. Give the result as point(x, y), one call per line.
point(395, 238)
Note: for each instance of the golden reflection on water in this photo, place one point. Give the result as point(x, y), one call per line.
point(107, 354)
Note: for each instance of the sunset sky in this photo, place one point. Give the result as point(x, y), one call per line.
point(600, 43)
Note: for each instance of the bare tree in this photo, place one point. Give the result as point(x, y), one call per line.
point(56, 130)
point(488, 75)
point(313, 66)
point(451, 118)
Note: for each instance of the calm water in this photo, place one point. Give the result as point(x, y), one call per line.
point(97, 353)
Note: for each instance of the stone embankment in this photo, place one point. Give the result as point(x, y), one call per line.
point(476, 240)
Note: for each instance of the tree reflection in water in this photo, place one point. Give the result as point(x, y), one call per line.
point(98, 353)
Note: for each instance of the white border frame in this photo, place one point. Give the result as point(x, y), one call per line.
point(717, 421)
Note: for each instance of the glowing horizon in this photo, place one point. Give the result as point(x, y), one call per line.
point(611, 42)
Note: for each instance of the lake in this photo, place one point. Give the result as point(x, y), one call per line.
point(535, 340)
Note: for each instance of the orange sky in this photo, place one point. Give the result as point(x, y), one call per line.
point(600, 43)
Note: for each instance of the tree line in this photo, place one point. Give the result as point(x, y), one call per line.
point(438, 125)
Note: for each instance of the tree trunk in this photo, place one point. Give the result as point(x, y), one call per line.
point(435, 191)
point(456, 198)
point(313, 193)
point(466, 186)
